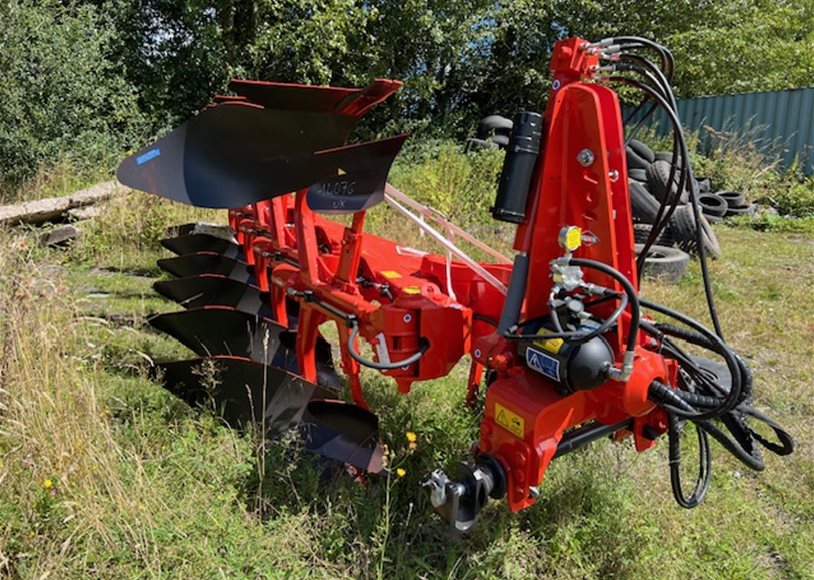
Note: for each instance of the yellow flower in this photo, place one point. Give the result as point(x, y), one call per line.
point(412, 446)
point(411, 437)
point(401, 472)
point(47, 484)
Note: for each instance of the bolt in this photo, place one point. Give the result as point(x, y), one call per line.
point(407, 319)
point(534, 492)
point(585, 157)
point(556, 85)
point(477, 353)
point(613, 174)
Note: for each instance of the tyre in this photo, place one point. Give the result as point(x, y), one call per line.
point(634, 161)
point(684, 228)
point(658, 179)
point(712, 205)
point(704, 184)
point(493, 123)
point(643, 206)
point(666, 156)
point(733, 198)
point(500, 140)
point(642, 150)
point(639, 175)
point(740, 210)
point(667, 264)
point(641, 233)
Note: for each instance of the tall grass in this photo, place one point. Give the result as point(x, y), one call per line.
point(105, 474)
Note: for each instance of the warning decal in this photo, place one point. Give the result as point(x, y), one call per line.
point(509, 420)
point(543, 363)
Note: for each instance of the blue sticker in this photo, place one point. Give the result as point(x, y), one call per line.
point(542, 363)
point(151, 154)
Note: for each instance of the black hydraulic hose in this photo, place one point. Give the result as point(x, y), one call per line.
point(413, 358)
point(693, 188)
point(668, 61)
point(660, 392)
point(704, 465)
point(657, 73)
point(579, 337)
point(733, 396)
point(603, 327)
point(667, 68)
point(633, 298)
point(673, 196)
point(662, 78)
point(651, 69)
point(651, 72)
point(699, 339)
point(678, 139)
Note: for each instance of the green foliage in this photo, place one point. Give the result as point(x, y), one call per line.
point(758, 45)
point(459, 185)
point(460, 60)
point(86, 76)
point(60, 96)
point(174, 52)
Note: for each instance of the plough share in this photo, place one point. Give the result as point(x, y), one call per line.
point(568, 349)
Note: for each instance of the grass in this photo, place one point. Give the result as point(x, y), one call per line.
point(104, 474)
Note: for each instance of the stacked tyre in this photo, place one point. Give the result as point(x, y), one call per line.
point(649, 174)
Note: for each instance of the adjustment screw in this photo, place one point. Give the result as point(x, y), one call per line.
point(585, 157)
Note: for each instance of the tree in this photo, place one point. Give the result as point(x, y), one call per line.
point(60, 96)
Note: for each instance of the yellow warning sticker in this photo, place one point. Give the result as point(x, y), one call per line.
point(552, 345)
point(509, 420)
point(411, 290)
point(390, 274)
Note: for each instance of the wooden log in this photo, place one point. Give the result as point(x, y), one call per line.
point(43, 210)
point(78, 214)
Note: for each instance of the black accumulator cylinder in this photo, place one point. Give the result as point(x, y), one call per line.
point(518, 168)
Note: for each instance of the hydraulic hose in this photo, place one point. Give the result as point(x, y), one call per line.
point(704, 465)
point(630, 291)
point(578, 337)
point(631, 298)
point(413, 358)
point(693, 197)
point(733, 396)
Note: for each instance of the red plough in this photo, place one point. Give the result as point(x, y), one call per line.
point(560, 334)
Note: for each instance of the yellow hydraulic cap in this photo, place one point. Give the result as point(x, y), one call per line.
point(570, 238)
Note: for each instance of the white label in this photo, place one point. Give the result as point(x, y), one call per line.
point(381, 349)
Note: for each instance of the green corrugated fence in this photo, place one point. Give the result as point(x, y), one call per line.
point(779, 123)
